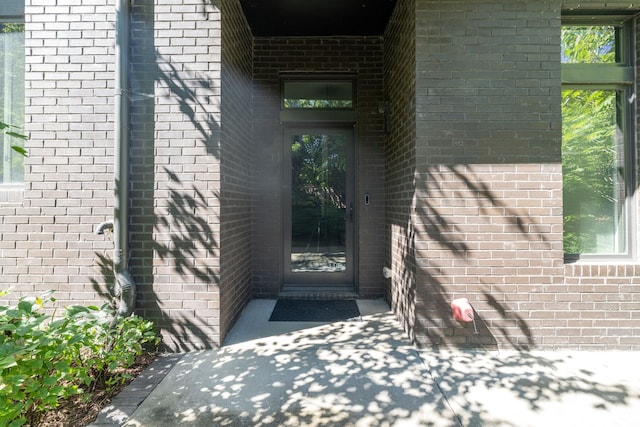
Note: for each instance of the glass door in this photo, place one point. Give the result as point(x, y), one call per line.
point(319, 210)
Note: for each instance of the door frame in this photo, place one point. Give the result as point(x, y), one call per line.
point(318, 281)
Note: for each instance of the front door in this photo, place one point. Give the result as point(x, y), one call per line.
point(319, 208)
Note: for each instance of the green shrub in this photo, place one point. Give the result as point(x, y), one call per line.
point(44, 359)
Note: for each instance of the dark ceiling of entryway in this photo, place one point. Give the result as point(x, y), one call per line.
point(317, 17)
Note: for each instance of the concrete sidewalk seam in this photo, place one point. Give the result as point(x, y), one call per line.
point(127, 401)
point(442, 393)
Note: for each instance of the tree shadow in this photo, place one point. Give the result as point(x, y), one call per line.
point(105, 287)
point(444, 197)
point(192, 237)
point(510, 388)
point(338, 374)
point(173, 245)
point(368, 373)
point(514, 319)
point(171, 214)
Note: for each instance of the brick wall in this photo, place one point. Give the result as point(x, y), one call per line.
point(236, 165)
point(47, 239)
point(488, 195)
point(273, 56)
point(600, 308)
point(175, 168)
point(488, 178)
point(400, 160)
point(470, 170)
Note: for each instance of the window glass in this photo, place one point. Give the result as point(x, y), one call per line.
point(589, 44)
point(593, 168)
point(12, 58)
point(318, 94)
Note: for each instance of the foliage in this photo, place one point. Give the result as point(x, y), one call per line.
point(589, 44)
point(592, 177)
point(46, 359)
point(592, 148)
point(318, 187)
point(318, 103)
point(6, 129)
point(9, 27)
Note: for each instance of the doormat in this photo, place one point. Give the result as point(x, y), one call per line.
point(296, 310)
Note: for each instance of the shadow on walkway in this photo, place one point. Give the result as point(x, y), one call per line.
point(345, 373)
point(368, 374)
point(539, 388)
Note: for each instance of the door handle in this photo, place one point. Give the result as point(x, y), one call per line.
point(349, 213)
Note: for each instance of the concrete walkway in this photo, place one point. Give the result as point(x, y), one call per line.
point(368, 374)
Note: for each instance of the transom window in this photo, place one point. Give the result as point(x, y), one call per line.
point(318, 94)
point(598, 136)
point(590, 44)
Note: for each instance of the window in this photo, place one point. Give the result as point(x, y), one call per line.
point(318, 94)
point(12, 60)
point(597, 136)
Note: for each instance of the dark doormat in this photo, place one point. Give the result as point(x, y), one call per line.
point(296, 310)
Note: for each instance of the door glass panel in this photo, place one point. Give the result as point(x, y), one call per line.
point(318, 202)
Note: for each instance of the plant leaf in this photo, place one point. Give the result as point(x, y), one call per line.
point(19, 150)
point(17, 135)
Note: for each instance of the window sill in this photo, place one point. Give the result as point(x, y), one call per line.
point(11, 194)
point(599, 260)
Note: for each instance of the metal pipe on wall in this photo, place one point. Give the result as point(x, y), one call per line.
point(125, 285)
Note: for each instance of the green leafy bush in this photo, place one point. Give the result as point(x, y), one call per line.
point(44, 359)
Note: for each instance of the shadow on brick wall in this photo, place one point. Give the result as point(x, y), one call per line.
point(176, 224)
point(444, 248)
point(173, 245)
